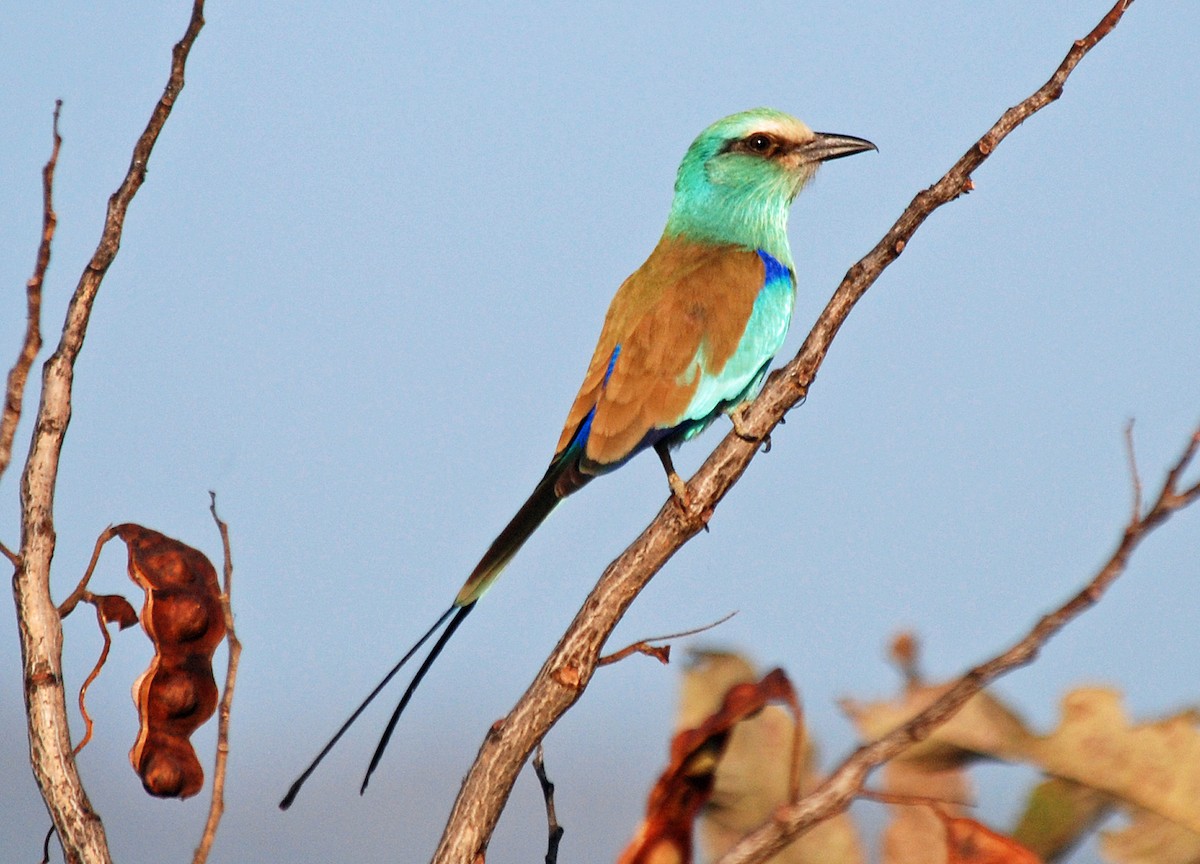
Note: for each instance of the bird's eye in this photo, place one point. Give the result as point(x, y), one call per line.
point(759, 143)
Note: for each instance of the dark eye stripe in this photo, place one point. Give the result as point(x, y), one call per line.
point(757, 143)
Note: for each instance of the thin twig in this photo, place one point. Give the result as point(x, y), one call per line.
point(661, 654)
point(569, 668)
point(14, 395)
point(87, 682)
point(798, 734)
point(217, 806)
point(80, 593)
point(841, 787)
point(1131, 454)
point(46, 846)
point(555, 830)
point(899, 800)
point(80, 829)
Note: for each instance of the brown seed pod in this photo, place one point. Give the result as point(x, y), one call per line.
point(183, 618)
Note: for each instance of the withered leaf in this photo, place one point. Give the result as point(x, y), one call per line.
point(983, 726)
point(116, 609)
point(665, 835)
point(753, 775)
point(1154, 765)
point(916, 833)
point(1058, 814)
point(1151, 839)
point(971, 842)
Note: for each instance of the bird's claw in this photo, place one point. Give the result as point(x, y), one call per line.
point(737, 417)
point(679, 492)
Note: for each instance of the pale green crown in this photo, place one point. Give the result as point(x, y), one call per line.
point(737, 197)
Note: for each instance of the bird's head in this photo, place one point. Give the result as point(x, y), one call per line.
point(740, 175)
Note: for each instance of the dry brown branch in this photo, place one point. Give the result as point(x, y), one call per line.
point(217, 806)
point(911, 800)
point(1131, 455)
point(87, 682)
point(78, 825)
point(845, 783)
point(14, 395)
point(68, 606)
point(566, 672)
point(660, 653)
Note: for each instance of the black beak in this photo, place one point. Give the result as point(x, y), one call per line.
point(826, 146)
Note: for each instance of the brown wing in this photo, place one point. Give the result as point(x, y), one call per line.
point(680, 316)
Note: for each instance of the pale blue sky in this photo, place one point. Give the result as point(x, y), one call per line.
point(360, 287)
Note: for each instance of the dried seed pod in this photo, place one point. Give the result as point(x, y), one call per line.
point(184, 619)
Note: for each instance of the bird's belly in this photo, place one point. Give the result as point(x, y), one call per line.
point(741, 376)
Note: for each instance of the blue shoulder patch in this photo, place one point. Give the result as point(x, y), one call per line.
point(774, 270)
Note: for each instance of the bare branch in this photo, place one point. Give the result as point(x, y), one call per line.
point(79, 827)
point(87, 682)
point(217, 806)
point(570, 666)
point(1131, 455)
point(661, 654)
point(845, 783)
point(68, 606)
point(15, 393)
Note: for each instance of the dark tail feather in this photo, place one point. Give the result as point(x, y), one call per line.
point(408, 693)
point(561, 479)
point(295, 787)
point(545, 497)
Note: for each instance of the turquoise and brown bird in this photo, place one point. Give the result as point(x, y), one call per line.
point(688, 337)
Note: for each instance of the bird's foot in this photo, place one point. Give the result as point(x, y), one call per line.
point(678, 487)
point(679, 491)
point(737, 416)
point(683, 500)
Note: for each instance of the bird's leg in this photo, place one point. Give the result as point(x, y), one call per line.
point(737, 416)
point(678, 487)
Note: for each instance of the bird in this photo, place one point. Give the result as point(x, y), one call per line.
point(689, 336)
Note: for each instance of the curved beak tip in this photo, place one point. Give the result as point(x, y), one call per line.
point(826, 146)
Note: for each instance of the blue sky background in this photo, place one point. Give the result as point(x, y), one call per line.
point(361, 284)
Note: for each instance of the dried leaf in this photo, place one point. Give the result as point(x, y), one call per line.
point(183, 617)
point(665, 835)
point(706, 680)
point(984, 726)
point(1058, 814)
point(1154, 765)
point(116, 609)
point(1151, 839)
point(971, 842)
point(916, 833)
point(753, 775)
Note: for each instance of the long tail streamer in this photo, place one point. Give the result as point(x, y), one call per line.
point(462, 613)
